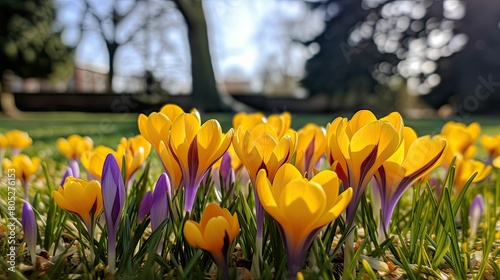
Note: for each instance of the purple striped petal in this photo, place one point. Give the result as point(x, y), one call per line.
point(145, 206)
point(476, 210)
point(69, 172)
point(226, 171)
point(159, 205)
point(30, 229)
point(309, 154)
point(113, 193)
point(113, 198)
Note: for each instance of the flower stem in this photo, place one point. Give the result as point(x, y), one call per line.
point(112, 255)
point(348, 256)
point(256, 258)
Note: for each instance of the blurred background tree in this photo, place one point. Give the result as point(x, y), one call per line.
point(29, 45)
point(388, 52)
point(120, 24)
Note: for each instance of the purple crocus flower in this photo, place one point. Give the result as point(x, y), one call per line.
point(476, 211)
point(159, 202)
point(226, 172)
point(145, 206)
point(113, 196)
point(30, 229)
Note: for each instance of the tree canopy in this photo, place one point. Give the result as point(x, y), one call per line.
point(29, 47)
point(431, 49)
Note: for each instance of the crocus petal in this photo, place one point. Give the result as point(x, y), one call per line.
point(81, 197)
point(30, 230)
point(159, 204)
point(476, 211)
point(215, 234)
point(496, 162)
point(113, 193)
point(476, 208)
point(69, 172)
point(75, 168)
point(193, 235)
point(145, 206)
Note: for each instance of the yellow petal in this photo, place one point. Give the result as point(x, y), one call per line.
point(214, 234)
point(193, 235)
point(268, 195)
point(339, 205)
point(409, 136)
point(212, 210)
point(171, 166)
point(302, 203)
point(377, 135)
point(331, 183)
point(424, 153)
point(61, 201)
point(496, 162)
point(172, 111)
point(359, 120)
point(285, 174)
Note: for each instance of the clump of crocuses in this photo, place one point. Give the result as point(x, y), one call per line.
point(214, 234)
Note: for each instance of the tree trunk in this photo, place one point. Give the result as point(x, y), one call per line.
point(7, 101)
point(205, 94)
point(111, 74)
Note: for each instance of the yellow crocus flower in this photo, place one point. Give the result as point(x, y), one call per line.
point(196, 148)
point(413, 160)
point(301, 207)
point(81, 197)
point(24, 168)
point(74, 146)
point(214, 233)
point(93, 161)
point(248, 121)
point(461, 139)
point(311, 146)
point(492, 145)
point(18, 140)
point(262, 148)
point(155, 128)
point(464, 168)
point(280, 122)
point(135, 149)
point(356, 148)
